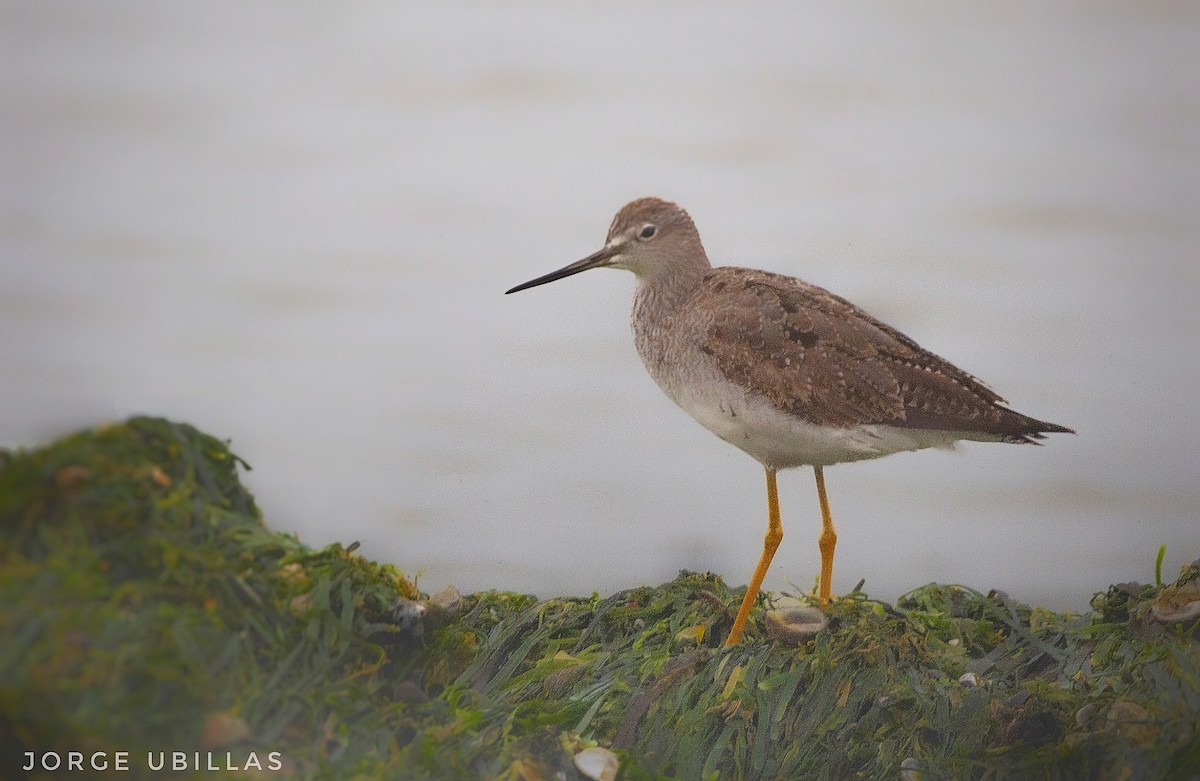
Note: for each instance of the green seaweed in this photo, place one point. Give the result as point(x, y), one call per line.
point(145, 607)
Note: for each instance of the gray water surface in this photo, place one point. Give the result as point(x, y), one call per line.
point(292, 225)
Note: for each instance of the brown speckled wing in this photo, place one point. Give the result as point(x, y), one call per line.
point(819, 357)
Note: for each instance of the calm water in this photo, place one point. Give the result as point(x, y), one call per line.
point(293, 228)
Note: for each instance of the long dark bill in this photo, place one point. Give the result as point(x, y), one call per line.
point(595, 260)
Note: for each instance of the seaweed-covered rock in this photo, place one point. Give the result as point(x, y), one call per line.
point(145, 608)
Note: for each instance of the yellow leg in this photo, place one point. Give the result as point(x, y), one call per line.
point(827, 540)
point(770, 544)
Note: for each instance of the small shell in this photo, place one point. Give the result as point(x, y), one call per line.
point(1126, 712)
point(794, 625)
point(910, 769)
point(1177, 605)
point(301, 605)
point(448, 599)
point(409, 691)
point(598, 764)
point(970, 680)
point(222, 728)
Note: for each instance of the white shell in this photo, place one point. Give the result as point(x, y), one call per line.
point(598, 764)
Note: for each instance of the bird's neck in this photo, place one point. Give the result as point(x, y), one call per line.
point(656, 303)
point(660, 296)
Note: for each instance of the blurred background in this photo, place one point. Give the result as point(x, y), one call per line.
point(292, 225)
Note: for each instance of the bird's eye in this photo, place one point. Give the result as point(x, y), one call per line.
point(648, 232)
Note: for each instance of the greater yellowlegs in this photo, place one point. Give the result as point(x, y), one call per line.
point(786, 371)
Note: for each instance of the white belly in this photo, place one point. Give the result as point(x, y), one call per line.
point(780, 440)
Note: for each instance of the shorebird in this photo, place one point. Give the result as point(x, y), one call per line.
point(788, 372)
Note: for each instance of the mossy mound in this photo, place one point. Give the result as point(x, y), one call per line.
point(145, 608)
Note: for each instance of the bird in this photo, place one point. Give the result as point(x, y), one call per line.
point(788, 372)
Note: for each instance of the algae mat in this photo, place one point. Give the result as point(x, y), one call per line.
point(147, 613)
